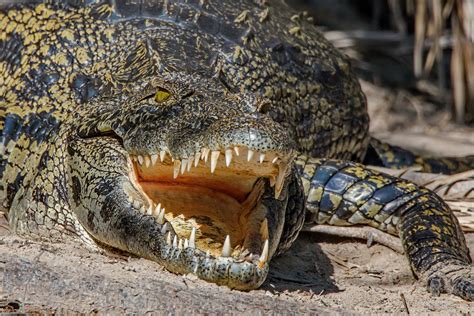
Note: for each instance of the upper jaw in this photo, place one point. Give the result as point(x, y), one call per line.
point(249, 162)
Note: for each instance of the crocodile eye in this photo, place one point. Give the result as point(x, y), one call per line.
point(162, 95)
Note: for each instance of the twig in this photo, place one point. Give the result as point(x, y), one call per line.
point(358, 232)
point(404, 301)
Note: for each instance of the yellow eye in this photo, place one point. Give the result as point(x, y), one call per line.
point(162, 95)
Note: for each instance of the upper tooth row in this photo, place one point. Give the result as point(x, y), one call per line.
point(181, 165)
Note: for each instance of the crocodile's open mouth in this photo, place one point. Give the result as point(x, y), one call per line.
point(212, 200)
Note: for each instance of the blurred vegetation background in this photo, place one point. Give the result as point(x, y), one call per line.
point(423, 46)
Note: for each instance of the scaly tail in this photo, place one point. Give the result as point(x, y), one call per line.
point(345, 193)
point(389, 156)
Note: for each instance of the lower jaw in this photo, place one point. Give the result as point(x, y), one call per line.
point(240, 275)
point(241, 221)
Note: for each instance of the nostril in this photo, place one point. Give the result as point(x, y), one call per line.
point(265, 108)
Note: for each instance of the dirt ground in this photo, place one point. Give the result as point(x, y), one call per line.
point(321, 274)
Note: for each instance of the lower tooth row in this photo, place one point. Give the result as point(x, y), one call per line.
point(159, 213)
point(226, 248)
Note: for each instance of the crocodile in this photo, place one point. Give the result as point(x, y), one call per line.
point(202, 135)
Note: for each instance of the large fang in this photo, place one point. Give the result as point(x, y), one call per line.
point(184, 164)
point(177, 163)
point(250, 154)
point(154, 159)
point(164, 229)
point(214, 157)
point(147, 161)
point(264, 256)
point(161, 216)
point(162, 155)
point(140, 159)
point(205, 154)
point(228, 157)
point(226, 248)
point(197, 156)
point(280, 179)
point(192, 238)
point(156, 211)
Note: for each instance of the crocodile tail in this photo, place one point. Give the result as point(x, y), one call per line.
point(389, 156)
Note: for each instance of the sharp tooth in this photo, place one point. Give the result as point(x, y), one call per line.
point(149, 210)
point(175, 241)
point(197, 156)
point(140, 159)
point(272, 181)
point(205, 154)
point(261, 157)
point(177, 163)
point(162, 155)
point(164, 229)
point(156, 211)
point(168, 238)
point(190, 163)
point(142, 210)
point(192, 238)
point(280, 179)
point(264, 256)
point(274, 159)
point(226, 248)
point(264, 229)
point(154, 159)
point(214, 157)
point(184, 164)
point(228, 157)
point(236, 149)
point(137, 204)
point(161, 216)
point(180, 244)
point(147, 161)
point(186, 243)
point(250, 154)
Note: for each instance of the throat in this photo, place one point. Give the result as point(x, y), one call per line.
point(213, 213)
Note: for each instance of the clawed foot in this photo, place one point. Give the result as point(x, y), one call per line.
point(455, 279)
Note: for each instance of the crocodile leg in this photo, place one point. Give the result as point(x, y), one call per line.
point(385, 155)
point(345, 193)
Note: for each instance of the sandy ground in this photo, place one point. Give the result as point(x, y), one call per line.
point(321, 274)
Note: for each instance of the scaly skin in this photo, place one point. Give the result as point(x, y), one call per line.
point(90, 96)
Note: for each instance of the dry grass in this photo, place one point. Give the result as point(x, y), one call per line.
point(451, 22)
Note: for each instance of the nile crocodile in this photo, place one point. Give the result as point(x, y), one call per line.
point(200, 134)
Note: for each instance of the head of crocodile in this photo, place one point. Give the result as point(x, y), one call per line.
point(209, 169)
